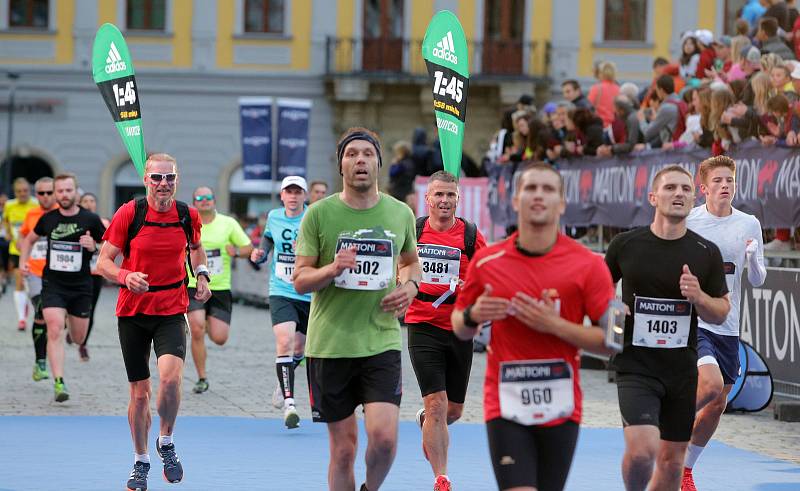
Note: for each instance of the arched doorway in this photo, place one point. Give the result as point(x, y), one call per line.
point(30, 167)
point(127, 184)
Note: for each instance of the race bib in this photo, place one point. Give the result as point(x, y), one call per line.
point(534, 392)
point(661, 322)
point(214, 261)
point(374, 264)
point(39, 250)
point(284, 266)
point(66, 257)
point(439, 263)
point(730, 274)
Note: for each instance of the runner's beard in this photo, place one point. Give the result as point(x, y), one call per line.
point(161, 201)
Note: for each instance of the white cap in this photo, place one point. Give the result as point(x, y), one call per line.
point(294, 181)
point(704, 36)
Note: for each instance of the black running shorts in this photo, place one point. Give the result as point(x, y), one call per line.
point(13, 260)
point(338, 386)
point(647, 400)
point(283, 309)
point(219, 306)
point(532, 456)
point(441, 361)
point(75, 299)
point(166, 334)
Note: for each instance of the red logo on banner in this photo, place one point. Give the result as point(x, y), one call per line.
point(640, 181)
point(766, 175)
point(586, 185)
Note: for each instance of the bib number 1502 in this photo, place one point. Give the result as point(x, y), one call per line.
point(366, 268)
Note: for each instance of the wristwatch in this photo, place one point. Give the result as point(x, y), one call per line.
point(202, 270)
point(468, 320)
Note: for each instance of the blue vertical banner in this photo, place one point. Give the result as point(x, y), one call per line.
point(293, 116)
point(256, 125)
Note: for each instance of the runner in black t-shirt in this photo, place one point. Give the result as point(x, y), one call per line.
point(72, 235)
point(670, 276)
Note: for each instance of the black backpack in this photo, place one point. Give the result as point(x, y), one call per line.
point(470, 234)
point(184, 221)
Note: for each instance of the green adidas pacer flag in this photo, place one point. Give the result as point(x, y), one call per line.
point(445, 51)
point(112, 69)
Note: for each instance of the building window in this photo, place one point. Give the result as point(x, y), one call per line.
point(625, 20)
point(146, 15)
point(28, 13)
point(264, 16)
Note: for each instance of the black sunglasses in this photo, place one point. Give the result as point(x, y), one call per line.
point(157, 177)
point(44, 193)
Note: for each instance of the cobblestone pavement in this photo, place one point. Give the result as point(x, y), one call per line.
point(242, 378)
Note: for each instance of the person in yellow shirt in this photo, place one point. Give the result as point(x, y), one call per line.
point(13, 215)
point(36, 263)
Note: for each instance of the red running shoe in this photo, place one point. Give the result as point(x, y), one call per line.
point(442, 484)
point(687, 483)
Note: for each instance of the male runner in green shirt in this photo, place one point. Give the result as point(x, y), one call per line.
point(223, 239)
point(349, 249)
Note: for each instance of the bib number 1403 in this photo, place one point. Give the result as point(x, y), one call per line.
point(662, 326)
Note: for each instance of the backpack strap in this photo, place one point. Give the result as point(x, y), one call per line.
point(139, 214)
point(470, 237)
point(421, 225)
point(185, 221)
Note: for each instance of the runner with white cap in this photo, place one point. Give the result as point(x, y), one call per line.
point(288, 308)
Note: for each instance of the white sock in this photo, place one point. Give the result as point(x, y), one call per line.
point(20, 301)
point(164, 440)
point(141, 458)
point(288, 402)
point(692, 454)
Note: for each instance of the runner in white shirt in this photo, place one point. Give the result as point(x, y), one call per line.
point(738, 236)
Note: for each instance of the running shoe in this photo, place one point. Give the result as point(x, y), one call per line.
point(687, 483)
point(40, 371)
point(442, 484)
point(277, 398)
point(138, 479)
point(61, 392)
point(201, 386)
point(83, 352)
point(290, 417)
point(21, 325)
point(173, 470)
point(420, 417)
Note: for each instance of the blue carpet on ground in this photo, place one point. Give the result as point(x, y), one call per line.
point(94, 453)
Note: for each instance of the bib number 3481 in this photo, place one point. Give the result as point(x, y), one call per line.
point(535, 392)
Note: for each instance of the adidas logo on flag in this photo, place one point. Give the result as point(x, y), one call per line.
point(114, 61)
point(445, 49)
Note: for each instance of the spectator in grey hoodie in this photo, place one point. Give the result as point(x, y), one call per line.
point(625, 129)
point(658, 130)
point(770, 41)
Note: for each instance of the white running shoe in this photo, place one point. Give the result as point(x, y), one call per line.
point(277, 398)
point(290, 417)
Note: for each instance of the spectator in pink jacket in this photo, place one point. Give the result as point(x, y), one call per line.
point(602, 94)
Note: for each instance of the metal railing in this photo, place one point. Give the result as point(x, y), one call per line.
point(403, 58)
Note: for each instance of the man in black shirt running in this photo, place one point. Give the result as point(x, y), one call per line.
point(670, 276)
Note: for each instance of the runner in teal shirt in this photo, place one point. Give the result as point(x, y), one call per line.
point(288, 309)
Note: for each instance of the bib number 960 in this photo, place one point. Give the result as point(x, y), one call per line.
point(536, 396)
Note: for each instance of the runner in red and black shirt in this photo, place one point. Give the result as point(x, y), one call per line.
point(536, 287)
point(152, 305)
point(441, 361)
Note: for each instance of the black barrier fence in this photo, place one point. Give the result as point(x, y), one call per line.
point(613, 191)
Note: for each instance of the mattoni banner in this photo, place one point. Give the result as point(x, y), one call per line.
point(474, 193)
point(256, 125)
point(613, 191)
point(293, 118)
point(770, 321)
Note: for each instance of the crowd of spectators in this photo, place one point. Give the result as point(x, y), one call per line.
point(716, 93)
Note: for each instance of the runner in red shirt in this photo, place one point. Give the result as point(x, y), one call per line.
point(441, 361)
point(152, 305)
point(535, 287)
